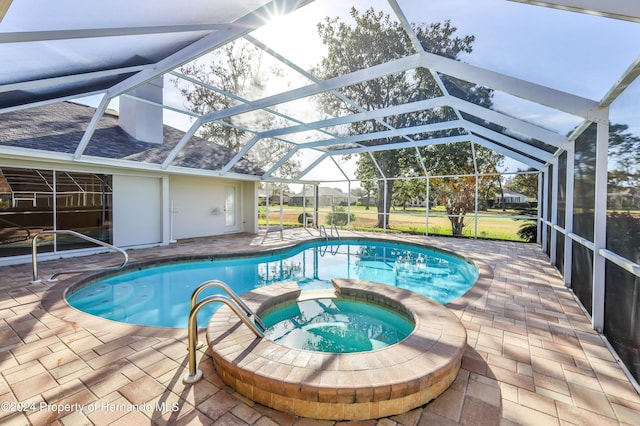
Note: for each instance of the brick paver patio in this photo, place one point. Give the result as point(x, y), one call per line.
point(532, 357)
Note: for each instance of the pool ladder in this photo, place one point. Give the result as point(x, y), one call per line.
point(323, 232)
point(233, 301)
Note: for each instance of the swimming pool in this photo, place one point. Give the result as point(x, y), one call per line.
point(159, 295)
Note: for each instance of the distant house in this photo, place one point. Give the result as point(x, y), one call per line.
point(511, 197)
point(274, 197)
point(326, 197)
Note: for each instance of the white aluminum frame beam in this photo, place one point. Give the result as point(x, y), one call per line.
point(554, 211)
point(552, 98)
point(50, 101)
point(250, 143)
point(520, 146)
point(510, 123)
point(280, 162)
point(540, 221)
point(402, 145)
point(568, 216)
point(159, 105)
point(311, 166)
point(545, 207)
point(573, 104)
point(623, 82)
point(33, 36)
point(508, 152)
point(91, 128)
point(71, 78)
point(628, 10)
point(333, 158)
point(445, 125)
point(600, 226)
point(361, 116)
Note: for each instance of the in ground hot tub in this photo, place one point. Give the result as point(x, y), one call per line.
point(378, 382)
point(326, 321)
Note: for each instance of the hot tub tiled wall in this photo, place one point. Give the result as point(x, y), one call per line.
point(354, 386)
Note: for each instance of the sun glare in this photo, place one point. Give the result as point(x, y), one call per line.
point(294, 35)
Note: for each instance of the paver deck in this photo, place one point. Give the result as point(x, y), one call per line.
point(532, 357)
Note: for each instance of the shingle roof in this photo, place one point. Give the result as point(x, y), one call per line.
point(59, 128)
point(323, 190)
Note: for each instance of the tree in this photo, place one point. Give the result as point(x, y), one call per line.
point(488, 162)
point(458, 194)
point(358, 192)
point(624, 168)
point(525, 184)
point(624, 157)
point(376, 39)
point(236, 68)
point(365, 173)
point(409, 189)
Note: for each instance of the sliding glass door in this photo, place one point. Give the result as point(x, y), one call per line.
point(32, 200)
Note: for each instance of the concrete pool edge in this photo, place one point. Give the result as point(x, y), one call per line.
point(352, 386)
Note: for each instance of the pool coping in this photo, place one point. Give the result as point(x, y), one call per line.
point(343, 386)
point(54, 300)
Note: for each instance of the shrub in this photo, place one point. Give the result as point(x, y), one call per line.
point(338, 216)
point(529, 229)
point(301, 217)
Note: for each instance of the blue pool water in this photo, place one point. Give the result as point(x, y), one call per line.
point(335, 325)
point(159, 295)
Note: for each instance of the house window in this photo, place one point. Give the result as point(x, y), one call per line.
point(32, 200)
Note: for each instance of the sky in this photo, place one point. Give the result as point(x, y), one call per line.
point(576, 53)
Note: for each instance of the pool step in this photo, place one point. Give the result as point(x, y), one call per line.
point(313, 284)
point(116, 302)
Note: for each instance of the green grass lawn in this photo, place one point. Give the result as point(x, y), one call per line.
point(412, 220)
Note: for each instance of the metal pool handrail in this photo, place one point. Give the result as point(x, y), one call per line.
point(34, 254)
point(230, 293)
point(333, 226)
point(323, 232)
point(194, 374)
